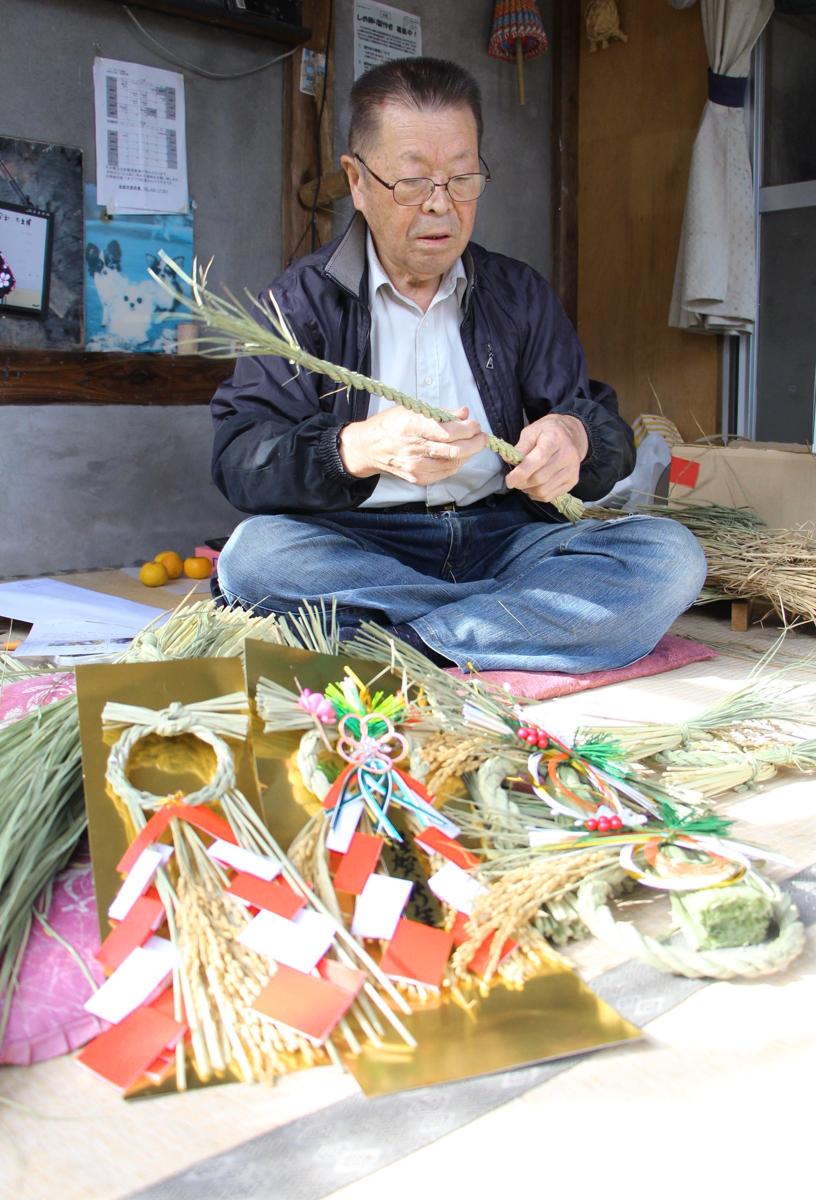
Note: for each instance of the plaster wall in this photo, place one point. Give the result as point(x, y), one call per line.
point(90, 486)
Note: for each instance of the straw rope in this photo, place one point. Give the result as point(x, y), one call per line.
point(730, 963)
point(205, 721)
point(247, 337)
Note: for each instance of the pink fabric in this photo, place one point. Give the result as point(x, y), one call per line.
point(47, 1017)
point(670, 653)
point(21, 696)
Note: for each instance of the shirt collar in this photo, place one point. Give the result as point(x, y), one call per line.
point(454, 280)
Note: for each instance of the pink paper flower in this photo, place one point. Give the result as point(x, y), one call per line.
point(317, 706)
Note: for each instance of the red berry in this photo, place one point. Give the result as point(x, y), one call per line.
point(531, 738)
point(591, 824)
point(603, 825)
point(542, 740)
point(615, 823)
point(522, 731)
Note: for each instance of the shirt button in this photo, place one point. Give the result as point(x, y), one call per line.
point(427, 381)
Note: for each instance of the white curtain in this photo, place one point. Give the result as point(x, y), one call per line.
point(715, 279)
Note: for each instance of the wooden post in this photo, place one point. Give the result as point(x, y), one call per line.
point(566, 47)
point(300, 113)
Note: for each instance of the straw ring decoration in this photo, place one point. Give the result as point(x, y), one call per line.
point(197, 719)
point(749, 961)
point(240, 333)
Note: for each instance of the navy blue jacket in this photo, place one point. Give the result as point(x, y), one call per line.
point(276, 431)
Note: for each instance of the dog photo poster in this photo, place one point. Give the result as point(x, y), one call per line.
point(125, 309)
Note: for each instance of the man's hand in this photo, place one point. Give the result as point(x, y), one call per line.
point(409, 446)
point(554, 448)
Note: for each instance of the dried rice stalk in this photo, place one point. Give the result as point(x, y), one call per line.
point(514, 897)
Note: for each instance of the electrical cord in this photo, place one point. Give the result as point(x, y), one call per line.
point(164, 52)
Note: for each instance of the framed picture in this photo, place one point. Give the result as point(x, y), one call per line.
point(25, 260)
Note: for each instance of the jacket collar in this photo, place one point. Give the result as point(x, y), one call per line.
point(347, 265)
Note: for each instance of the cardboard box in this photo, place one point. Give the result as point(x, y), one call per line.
point(775, 479)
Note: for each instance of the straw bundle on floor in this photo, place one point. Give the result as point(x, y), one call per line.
point(747, 560)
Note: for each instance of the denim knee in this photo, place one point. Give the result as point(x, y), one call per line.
point(681, 561)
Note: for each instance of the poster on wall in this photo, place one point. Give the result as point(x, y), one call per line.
point(125, 308)
point(141, 146)
point(40, 245)
point(382, 33)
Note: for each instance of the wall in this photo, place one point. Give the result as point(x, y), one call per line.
point(101, 487)
point(640, 105)
point(84, 486)
point(514, 213)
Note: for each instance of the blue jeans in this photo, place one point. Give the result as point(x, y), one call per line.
point(492, 586)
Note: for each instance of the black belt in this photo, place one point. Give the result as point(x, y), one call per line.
point(417, 506)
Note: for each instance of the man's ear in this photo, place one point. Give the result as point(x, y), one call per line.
point(355, 179)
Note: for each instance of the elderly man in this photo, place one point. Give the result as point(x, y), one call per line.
point(414, 524)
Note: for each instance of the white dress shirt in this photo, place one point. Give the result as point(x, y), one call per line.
point(421, 353)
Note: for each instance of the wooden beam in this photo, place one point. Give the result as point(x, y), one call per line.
point(566, 56)
point(300, 114)
point(67, 377)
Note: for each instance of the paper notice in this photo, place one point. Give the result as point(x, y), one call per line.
point(141, 147)
point(382, 33)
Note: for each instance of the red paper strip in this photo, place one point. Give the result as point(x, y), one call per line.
point(418, 952)
point(435, 840)
point(143, 919)
point(358, 863)
point(478, 964)
point(306, 1003)
point(151, 833)
point(123, 1053)
point(203, 818)
point(277, 896)
point(684, 471)
point(347, 978)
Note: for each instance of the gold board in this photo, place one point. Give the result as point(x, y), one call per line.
point(555, 1016)
point(158, 765)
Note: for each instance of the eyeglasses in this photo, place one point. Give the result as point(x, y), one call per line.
point(412, 192)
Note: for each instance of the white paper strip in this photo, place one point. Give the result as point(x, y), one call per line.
point(339, 838)
point(300, 943)
point(138, 880)
point(379, 906)
point(259, 865)
point(552, 837)
point(141, 974)
point(455, 887)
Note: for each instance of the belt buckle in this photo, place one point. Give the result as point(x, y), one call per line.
point(450, 506)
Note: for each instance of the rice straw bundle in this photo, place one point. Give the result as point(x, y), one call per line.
point(711, 773)
point(238, 331)
point(747, 560)
point(764, 697)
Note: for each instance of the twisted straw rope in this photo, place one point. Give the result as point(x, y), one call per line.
point(233, 321)
point(730, 963)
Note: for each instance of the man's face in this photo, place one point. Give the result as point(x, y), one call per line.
point(421, 242)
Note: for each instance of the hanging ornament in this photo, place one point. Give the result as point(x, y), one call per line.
point(517, 33)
